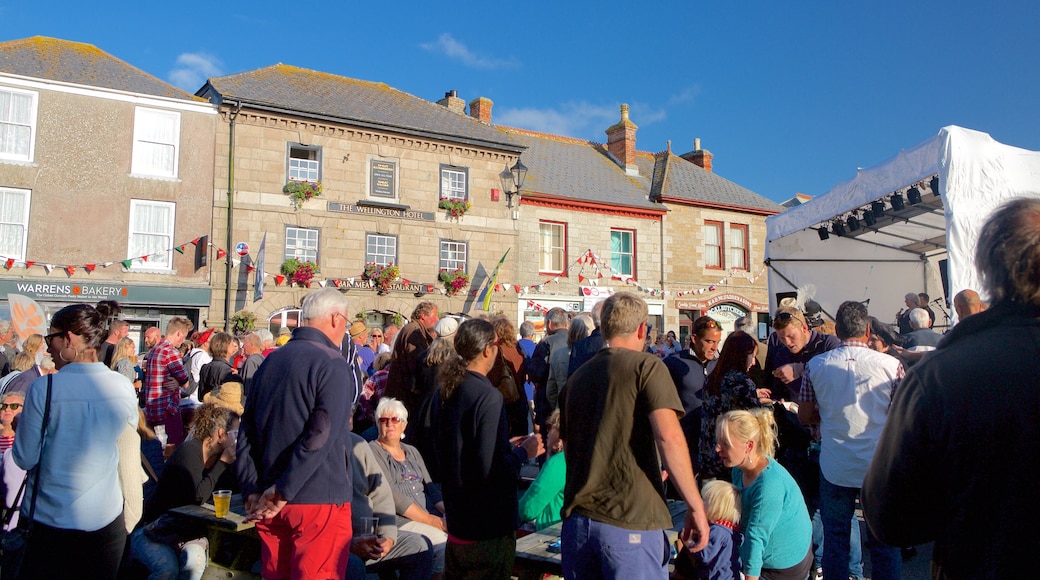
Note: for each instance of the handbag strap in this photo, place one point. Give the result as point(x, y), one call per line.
point(39, 464)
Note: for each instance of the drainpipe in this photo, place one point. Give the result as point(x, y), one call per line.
point(232, 115)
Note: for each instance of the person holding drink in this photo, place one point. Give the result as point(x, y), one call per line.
point(169, 544)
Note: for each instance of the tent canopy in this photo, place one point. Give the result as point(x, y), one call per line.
point(960, 175)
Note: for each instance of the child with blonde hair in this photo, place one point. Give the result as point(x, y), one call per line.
point(720, 560)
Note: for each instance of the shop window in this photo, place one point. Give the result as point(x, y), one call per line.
point(156, 142)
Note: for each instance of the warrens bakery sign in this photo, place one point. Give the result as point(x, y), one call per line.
point(92, 292)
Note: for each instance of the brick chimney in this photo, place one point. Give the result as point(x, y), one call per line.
point(621, 142)
point(453, 102)
point(480, 109)
point(698, 156)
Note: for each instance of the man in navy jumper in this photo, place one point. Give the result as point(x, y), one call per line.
point(291, 446)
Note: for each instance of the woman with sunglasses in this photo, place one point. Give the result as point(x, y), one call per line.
point(79, 504)
point(419, 506)
point(10, 406)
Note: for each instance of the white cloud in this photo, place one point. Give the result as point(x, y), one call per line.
point(581, 120)
point(192, 70)
point(686, 95)
point(455, 50)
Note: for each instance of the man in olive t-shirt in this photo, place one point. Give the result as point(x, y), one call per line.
point(619, 411)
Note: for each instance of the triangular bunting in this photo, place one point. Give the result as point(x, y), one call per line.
point(126, 263)
point(29, 264)
point(180, 249)
point(195, 241)
point(89, 268)
point(581, 278)
point(70, 270)
point(144, 258)
point(220, 253)
point(49, 268)
point(278, 279)
point(9, 263)
point(250, 269)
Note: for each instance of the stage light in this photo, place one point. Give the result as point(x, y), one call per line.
point(934, 184)
point(913, 195)
point(838, 228)
point(823, 233)
point(868, 218)
point(878, 209)
point(897, 202)
point(853, 223)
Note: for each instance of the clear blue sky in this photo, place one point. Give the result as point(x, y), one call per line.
point(790, 97)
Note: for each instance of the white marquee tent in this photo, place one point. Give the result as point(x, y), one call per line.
point(882, 256)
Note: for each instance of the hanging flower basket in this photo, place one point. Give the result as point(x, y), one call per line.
point(381, 276)
point(454, 281)
point(243, 322)
point(299, 273)
point(456, 207)
point(301, 191)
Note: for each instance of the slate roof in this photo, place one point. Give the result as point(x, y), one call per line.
point(82, 64)
point(580, 170)
point(306, 92)
point(677, 178)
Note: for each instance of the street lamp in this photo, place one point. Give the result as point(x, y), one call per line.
point(513, 178)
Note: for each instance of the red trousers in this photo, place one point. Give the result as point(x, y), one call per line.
point(308, 541)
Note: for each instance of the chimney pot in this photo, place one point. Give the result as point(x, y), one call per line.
point(621, 142)
point(480, 109)
point(452, 101)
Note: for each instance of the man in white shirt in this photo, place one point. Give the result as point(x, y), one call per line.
point(847, 391)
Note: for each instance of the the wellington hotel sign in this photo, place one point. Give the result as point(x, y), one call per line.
point(380, 211)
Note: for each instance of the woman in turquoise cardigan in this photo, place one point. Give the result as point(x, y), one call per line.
point(543, 501)
point(775, 522)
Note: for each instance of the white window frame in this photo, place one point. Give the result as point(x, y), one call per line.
point(151, 264)
point(299, 169)
point(6, 120)
point(15, 223)
point(615, 264)
point(303, 252)
point(381, 241)
point(547, 250)
point(143, 142)
point(454, 183)
point(738, 253)
point(719, 250)
point(450, 253)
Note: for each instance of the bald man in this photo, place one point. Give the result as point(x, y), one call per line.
point(966, 303)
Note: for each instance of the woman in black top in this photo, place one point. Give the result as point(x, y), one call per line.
point(479, 463)
point(215, 373)
point(168, 544)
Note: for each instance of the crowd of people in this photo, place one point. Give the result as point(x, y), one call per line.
point(769, 446)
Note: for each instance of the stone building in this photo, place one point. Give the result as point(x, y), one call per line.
point(388, 165)
point(106, 177)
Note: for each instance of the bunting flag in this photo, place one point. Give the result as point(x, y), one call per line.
point(89, 268)
point(180, 249)
point(29, 264)
point(9, 264)
point(278, 279)
point(126, 264)
point(250, 268)
point(221, 253)
point(70, 270)
point(486, 297)
point(49, 268)
point(195, 241)
point(258, 282)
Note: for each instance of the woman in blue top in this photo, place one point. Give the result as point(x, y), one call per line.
point(774, 519)
point(79, 508)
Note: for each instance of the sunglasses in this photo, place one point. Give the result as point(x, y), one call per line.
point(11, 406)
point(377, 336)
point(394, 420)
point(706, 324)
point(47, 339)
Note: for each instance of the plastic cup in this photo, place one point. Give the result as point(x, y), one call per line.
point(370, 527)
point(222, 502)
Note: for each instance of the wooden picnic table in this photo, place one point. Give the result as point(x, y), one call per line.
point(533, 559)
point(234, 546)
point(235, 520)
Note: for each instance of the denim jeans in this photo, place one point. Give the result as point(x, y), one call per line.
point(164, 562)
point(593, 550)
point(837, 506)
point(855, 546)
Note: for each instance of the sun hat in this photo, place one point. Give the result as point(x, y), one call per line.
point(227, 395)
point(357, 328)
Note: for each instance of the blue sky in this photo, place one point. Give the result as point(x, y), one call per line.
point(789, 97)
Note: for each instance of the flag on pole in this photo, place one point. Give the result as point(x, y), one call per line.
point(258, 285)
point(485, 298)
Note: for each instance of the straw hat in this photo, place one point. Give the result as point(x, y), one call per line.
point(357, 328)
point(227, 395)
point(284, 331)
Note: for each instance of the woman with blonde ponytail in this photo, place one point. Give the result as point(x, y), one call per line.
point(777, 531)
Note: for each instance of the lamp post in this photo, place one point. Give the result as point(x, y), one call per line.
point(512, 180)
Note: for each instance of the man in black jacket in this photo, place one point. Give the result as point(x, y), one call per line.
point(556, 323)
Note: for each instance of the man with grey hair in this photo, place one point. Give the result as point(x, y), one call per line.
point(846, 391)
point(911, 300)
point(556, 325)
point(956, 460)
point(266, 341)
point(921, 337)
point(252, 347)
point(293, 449)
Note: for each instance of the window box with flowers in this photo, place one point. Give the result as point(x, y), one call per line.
point(381, 276)
point(455, 281)
point(456, 207)
point(301, 191)
point(243, 322)
point(299, 273)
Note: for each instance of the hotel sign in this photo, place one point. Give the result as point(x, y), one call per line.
point(390, 212)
